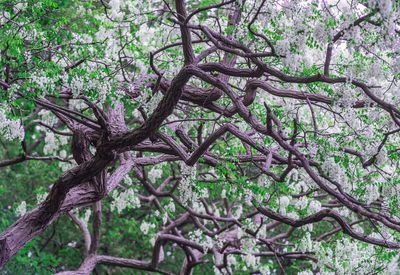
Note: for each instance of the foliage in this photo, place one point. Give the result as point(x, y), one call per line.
point(275, 151)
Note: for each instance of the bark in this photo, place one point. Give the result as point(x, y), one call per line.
point(36, 221)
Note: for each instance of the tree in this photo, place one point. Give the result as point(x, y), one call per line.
point(223, 137)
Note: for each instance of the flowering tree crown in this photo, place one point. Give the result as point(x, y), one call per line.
point(227, 136)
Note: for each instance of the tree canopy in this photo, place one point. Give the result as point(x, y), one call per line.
point(199, 136)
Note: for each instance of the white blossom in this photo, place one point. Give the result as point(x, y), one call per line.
point(188, 173)
point(202, 239)
point(251, 260)
point(371, 193)
point(41, 197)
point(302, 203)
point(10, 129)
point(21, 209)
point(393, 266)
point(314, 207)
point(154, 174)
point(115, 9)
point(170, 207)
point(122, 200)
point(306, 244)
point(72, 244)
point(284, 202)
point(145, 227)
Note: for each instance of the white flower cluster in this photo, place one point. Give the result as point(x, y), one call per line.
point(122, 200)
point(284, 202)
point(103, 33)
point(20, 7)
point(312, 149)
point(250, 260)
point(249, 247)
point(77, 104)
point(314, 207)
point(170, 207)
point(146, 35)
point(205, 241)
point(10, 129)
point(72, 244)
point(115, 9)
point(154, 174)
point(348, 257)
point(238, 211)
point(65, 166)
point(77, 84)
point(385, 7)
point(335, 172)
point(198, 207)
point(47, 117)
point(301, 203)
point(352, 256)
point(80, 84)
point(53, 143)
point(306, 244)
point(21, 209)
point(113, 35)
point(145, 227)
point(320, 33)
point(153, 103)
point(396, 65)
point(371, 193)
point(41, 197)
point(43, 82)
point(50, 143)
point(188, 173)
point(393, 266)
point(382, 156)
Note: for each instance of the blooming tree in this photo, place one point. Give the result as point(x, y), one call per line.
point(204, 135)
